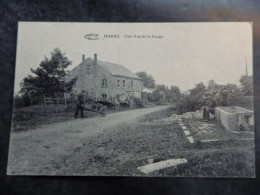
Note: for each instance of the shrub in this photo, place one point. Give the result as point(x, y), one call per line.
point(189, 103)
point(21, 101)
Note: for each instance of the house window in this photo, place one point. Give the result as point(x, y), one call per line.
point(104, 83)
point(132, 84)
point(88, 70)
point(118, 82)
point(123, 83)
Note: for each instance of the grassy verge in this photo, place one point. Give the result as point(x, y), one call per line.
point(220, 163)
point(159, 114)
point(122, 149)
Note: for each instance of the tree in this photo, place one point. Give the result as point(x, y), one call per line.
point(49, 77)
point(199, 90)
point(162, 87)
point(174, 94)
point(246, 85)
point(194, 100)
point(233, 89)
point(148, 80)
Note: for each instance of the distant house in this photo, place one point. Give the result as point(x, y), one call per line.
point(104, 79)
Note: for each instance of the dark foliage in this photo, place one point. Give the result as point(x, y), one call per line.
point(189, 103)
point(195, 99)
point(163, 93)
point(174, 94)
point(22, 101)
point(48, 79)
point(192, 101)
point(247, 85)
point(148, 80)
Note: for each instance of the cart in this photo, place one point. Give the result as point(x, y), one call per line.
point(95, 106)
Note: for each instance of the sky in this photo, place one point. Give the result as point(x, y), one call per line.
point(180, 54)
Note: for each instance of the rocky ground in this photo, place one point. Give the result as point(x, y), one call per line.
point(153, 137)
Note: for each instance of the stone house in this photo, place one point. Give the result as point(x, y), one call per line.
point(104, 79)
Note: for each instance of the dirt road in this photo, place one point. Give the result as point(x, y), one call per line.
point(41, 151)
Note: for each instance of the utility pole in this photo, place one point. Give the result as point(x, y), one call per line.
point(246, 66)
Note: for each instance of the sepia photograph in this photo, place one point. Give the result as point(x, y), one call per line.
point(133, 99)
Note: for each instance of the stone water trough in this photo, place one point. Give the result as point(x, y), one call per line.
point(234, 117)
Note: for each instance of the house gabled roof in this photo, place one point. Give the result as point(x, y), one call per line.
point(116, 69)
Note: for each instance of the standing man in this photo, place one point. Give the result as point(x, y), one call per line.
point(80, 104)
point(211, 100)
point(224, 96)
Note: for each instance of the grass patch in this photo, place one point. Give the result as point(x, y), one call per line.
point(166, 113)
point(229, 163)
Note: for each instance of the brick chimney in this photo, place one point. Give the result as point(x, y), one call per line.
point(95, 58)
point(83, 58)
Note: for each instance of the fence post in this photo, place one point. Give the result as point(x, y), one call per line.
point(44, 104)
point(65, 102)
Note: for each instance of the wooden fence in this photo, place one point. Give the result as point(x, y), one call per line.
point(48, 101)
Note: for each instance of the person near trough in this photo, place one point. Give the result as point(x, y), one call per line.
point(80, 105)
point(211, 100)
point(224, 96)
point(214, 99)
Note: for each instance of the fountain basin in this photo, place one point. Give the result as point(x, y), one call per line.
point(235, 117)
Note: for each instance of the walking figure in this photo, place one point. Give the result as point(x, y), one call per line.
point(80, 105)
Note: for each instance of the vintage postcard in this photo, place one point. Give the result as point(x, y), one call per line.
point(133, 99)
